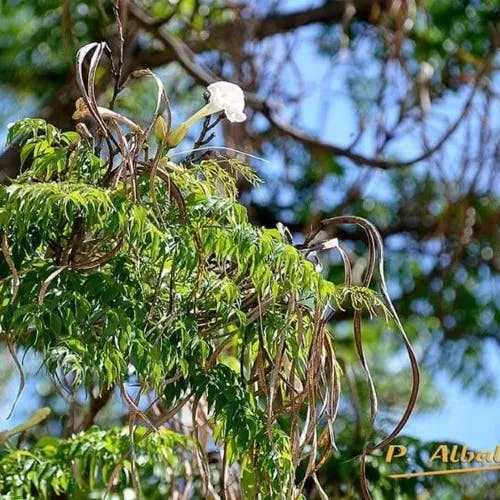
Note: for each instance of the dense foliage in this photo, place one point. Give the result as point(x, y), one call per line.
point(124, 269)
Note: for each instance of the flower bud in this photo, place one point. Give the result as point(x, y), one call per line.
point(175, 137)
point(161, 129)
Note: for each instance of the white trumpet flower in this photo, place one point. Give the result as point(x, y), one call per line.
point(223, 96)
point(227, 97)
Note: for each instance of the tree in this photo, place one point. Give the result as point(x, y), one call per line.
point(125, 269)
point(400, 63)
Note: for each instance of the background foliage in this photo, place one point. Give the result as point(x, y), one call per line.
point(389, 111)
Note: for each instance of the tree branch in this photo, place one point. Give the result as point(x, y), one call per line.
point(328, 13)
point(96, 405)
point(258, 29)
point(185, 56)
point(59, 109)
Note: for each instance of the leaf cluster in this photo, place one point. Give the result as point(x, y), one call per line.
point(183, 296)
point(124, 270)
